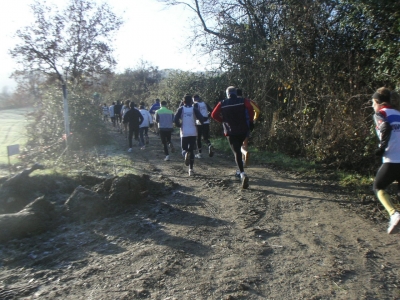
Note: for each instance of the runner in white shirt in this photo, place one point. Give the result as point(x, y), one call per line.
point(185, 118)
point(144, 127)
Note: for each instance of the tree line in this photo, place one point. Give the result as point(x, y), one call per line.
point(310, 65)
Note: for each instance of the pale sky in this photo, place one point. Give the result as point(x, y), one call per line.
point(150, 32)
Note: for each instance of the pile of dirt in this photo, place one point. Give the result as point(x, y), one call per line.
point(23, 217)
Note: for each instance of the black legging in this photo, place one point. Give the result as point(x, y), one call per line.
point(188, 144)
point(133, 131)
point(387, 173)
point(165, 140)
point(203, 131)
point(236, 141)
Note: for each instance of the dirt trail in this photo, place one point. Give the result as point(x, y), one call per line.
point(208, 239)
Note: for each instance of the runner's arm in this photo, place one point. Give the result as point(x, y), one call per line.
point(250, 109)
point(385, 131)
point(216, 113)
point(177, 117)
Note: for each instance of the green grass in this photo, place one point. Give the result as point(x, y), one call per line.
point(265, 157)
point(352, 179)
point(349, 180)
point(12, 131)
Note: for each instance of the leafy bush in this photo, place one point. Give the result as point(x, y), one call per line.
point(48, 120)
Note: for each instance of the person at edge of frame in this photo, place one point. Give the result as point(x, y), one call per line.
point(387, 126)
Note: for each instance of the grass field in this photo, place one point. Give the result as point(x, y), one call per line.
point(12, 131)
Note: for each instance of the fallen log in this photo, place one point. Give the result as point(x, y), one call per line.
point(21, 177)
point(37, 217)
point(16, 192)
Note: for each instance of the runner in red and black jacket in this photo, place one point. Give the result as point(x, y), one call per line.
point(236, 115)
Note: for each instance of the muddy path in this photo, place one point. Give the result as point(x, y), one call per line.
point(206, 238)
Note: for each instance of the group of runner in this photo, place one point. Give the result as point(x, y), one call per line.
point(236, 114)
point(136, 122)
point(114, 111)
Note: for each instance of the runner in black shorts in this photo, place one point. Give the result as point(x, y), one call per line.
point(118, 115)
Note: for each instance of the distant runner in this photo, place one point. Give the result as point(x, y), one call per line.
point(124, 109)
point(144, 127)
point(164, 119)
point(134, 118)
point(152, 111)
point(112, 113)
point(203, 130)
point(118, 117)
point(106, 112)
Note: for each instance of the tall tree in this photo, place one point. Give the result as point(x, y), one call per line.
point(71, 45)
point(135, 84)
point(310, 65)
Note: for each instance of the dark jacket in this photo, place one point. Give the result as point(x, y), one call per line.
point(235, 114)
point(117, 109)
point(134, 118)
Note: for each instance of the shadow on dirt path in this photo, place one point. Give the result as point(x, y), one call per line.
point(286, 238)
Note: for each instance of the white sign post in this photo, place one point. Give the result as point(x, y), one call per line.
point(66, 114)
point(12, 150)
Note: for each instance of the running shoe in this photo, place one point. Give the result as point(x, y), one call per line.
point(191, 172)
point(237, 174)
point(130, 150)
point(187, 158)
point(245, 181)
point(198, 155)
point(166, 158)
point(210, 151)
point(394, 221)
